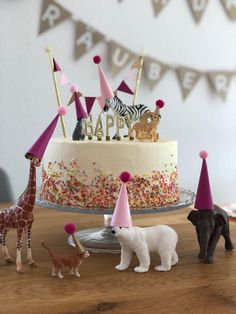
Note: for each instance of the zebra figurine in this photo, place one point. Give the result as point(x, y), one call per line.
point(134, 113)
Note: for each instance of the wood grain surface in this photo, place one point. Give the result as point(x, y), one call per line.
point(190, 287)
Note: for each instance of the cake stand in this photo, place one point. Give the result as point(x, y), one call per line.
point(101, 239)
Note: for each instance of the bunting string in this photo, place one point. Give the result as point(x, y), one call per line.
point(120, 56)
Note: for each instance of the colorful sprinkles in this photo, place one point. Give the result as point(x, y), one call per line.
point(70, 185)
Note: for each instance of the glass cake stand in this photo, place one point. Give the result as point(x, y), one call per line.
point(101, 239)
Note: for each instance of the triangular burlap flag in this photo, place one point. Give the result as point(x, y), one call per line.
point(198, 7)
point(158, 5)
point(85, 39)
point(51, 15)
point(220, 82)
point(230, 8)
point(154, 71)
point(188, 79)
point(119, 57)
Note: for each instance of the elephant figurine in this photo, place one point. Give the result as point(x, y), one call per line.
point(210, 225)
point(80, 130)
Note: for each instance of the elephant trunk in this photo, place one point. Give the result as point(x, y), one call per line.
point(203, 239)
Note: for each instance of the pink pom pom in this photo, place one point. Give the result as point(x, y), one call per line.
point(125, 176)
point(70, 228)
point(62, 110)
point(73, 88)
point(96, 59)
point(203, 154)
point(160, 103)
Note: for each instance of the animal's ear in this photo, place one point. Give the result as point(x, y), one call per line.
point(220, 219)
point(145, 116)
point(192, 216)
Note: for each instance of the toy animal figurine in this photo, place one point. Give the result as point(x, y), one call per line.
point(210, 225)
point(210, 220)
point(20, 216)
point(80, 130)
point(71, 260)
point(146, 129)
point(160, 239)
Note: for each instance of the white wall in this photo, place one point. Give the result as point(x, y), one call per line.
point(27, 98)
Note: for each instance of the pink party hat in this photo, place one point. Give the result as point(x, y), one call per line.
point(121, 216)
point(203, 198)
point(80, 113)
point(106, 90)
point(40, 145)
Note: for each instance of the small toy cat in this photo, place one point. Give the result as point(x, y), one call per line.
point(72, 261)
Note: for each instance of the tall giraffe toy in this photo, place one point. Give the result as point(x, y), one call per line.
point(20, 215)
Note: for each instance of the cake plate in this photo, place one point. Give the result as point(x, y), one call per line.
point(101, 239)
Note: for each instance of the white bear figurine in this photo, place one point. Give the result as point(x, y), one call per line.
point(160, 239)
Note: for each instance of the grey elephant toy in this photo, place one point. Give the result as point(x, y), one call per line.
point(210, 220)
point(210, 225)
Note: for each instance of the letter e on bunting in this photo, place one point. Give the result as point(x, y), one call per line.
point(188, 78)
point(154, 71)
point(158, 5)
point(119, 57)
point(51, 15)
point(220, 82)
point(86, 38)
point(230, 8)
point(198, 7)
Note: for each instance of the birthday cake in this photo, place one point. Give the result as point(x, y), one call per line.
point(86, 173)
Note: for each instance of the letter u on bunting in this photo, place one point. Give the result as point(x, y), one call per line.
point(86, 38)
point(158, 5)
point(119, 57)
point(188, 78)
point(154, 71)
point(230, 8)
point(198, 7)
point(52, 14)
point(220, 82)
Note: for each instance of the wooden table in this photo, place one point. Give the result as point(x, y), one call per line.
point(190, 287)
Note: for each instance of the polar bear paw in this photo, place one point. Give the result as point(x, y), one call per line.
point(162, 268)
point(121, 267)
point(140, 269)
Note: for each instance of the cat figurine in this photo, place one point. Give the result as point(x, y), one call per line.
point(72, 261)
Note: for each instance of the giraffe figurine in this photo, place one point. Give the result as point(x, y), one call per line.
point(20, 216)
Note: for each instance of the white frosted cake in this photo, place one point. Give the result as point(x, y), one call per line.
point(85, 174)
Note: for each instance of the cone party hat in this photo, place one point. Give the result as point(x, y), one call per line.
point(39, 147)
point(80, 113)
point(70, 228)
point(106, 90)
point(203, 198)
point(121, 216)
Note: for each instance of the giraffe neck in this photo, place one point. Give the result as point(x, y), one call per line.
point(27, 199)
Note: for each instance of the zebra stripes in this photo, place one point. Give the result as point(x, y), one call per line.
point(134, 112)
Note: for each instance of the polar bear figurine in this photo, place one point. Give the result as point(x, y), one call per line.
point(160, 239)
